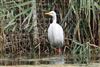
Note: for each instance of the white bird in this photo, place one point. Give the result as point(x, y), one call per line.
point(55, 33)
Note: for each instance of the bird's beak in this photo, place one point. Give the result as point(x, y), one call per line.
point(47, 14)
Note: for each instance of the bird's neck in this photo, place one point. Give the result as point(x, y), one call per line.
point(54, 19)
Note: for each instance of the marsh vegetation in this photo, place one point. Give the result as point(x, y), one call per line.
point(23, 30)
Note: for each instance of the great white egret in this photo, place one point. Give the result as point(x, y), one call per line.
point(55, 33)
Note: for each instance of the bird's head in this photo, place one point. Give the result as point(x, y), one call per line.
point(51, 13)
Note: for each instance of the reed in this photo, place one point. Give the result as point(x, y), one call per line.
point(80, 20)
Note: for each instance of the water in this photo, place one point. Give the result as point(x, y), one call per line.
point(59, 60)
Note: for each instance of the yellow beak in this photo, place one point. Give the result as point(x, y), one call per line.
point(47, 14)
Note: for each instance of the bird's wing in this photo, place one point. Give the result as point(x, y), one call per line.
point(58, 33)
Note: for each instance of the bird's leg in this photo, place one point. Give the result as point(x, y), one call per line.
point(58, 51)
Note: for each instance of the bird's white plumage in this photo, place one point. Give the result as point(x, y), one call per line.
point(55, 35)
point(55, 32)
